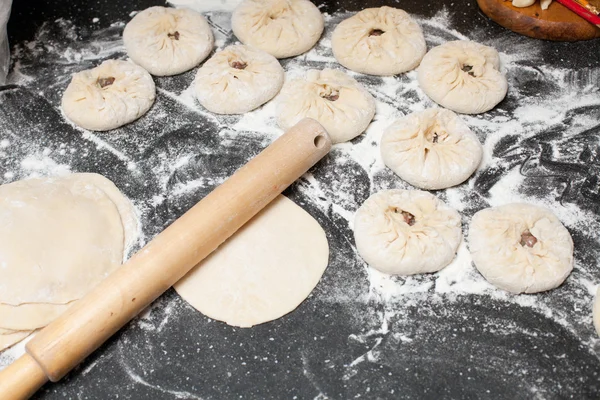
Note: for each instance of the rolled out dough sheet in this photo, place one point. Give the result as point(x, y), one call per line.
point(262, 272)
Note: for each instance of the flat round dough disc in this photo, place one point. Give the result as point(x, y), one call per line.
point(262, 272)
point(9, 337)
point(59, 237)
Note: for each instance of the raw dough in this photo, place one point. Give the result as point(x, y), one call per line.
point(432, 149)
point(168, 41)
point(262, 272)
point(108, 96)
point(9, 337)
point(343, 106)
point(237, 80)
point(406, 232)
point(521, 248)
point(282, 28)
point(30, 315)
point(379, 41)
point(463, 76)
point(59, 237)
point(596, 311)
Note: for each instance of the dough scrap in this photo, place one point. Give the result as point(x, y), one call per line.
point(237, 80)
point(433, 149)
point(10, 337)
point(282, 28)
point(262, 272)
point(521, 248)
point(108, 96)
point(168, 41)
point(406, 232)
point(379, 41)
point(60, 237)
point(342, 105)
point(463, 76)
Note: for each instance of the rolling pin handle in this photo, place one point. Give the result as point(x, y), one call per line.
point(21, 379)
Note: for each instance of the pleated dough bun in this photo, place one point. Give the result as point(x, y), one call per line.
point(379, 41)
point(433, 149)
point(463, 76)
point(521, 248)
point(337, 101)
point(168, 41)
point(108, 96)
point(237, 80)
point(282, 28)
point(406, 232)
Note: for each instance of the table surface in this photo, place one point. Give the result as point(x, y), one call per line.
point(433, 337)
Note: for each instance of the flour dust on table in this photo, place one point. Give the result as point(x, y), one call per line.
point(540, 146)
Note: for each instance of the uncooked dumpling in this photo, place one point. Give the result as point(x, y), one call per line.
point(337, 101)
point(432, 149)
point(237, 80)
point(379, 41)
point(108, 96)
point(282, 28)
point(406, 232)
point(264, 271)
point(463, 76)
point(168, 41)
point(521, 248)
point(59, 237)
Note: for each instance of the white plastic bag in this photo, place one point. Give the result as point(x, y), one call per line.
point(4, 49)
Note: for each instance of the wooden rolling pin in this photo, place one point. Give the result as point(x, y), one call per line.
point(63, 344)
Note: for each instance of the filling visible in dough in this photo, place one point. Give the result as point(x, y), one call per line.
point(104, 82)
point(174, 35)
point(376, 32)
point(238, 64)
point(468, 69)
point(527, 239)
point(435, 134)
point(407, 217)
point(330, 93)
